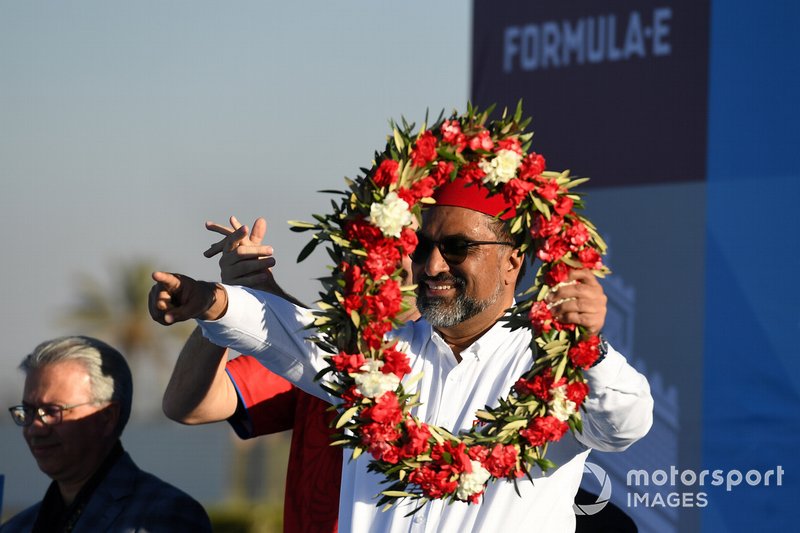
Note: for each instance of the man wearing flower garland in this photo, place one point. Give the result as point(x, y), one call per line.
point(462, 354)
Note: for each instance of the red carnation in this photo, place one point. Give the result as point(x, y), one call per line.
point(351, 396)
point(502, 461)
point(544, 429)
point(395, 362)
point(548, 189)
point(352, 302)
point(541, 385)
point(531, 166)
point(433, 483)
point(349, 363)
point(563, 205)
point(418, 435)
point(353, 279)
point(386, 303)
point(382, 259)
point(441, 173)
point(452, 134)
point(373, 333)
point(377, 437)
point(362, 231)
point(577, 391)
point(481, 141)
point(510, 143)
point(516, 190)
point(471, 172)
point(585, 353)
point(545, 227)
point(590, 258)
point(386, 173)
point(422, 189)
point(386, 410)
point(523, 387)
point(540, 317)
point(553, 249)
point(577, 235)
point(389, 453)
point(558, 273)
point(453, 454)
point(424, 150)
point(408, 240)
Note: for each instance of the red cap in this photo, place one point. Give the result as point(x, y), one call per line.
point(475, 196)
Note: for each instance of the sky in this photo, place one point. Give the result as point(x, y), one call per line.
point(125, 125)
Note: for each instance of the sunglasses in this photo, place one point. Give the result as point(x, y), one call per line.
point(454, 249)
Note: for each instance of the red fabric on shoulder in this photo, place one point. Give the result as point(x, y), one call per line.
point(269, 399)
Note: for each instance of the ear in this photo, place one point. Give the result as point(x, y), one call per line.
point(110, 416)
point(513, 266)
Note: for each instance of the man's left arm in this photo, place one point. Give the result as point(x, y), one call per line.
point(619, 407)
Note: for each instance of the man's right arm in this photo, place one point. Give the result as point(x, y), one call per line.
point(199, 390)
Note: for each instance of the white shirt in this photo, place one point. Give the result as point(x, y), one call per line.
point(618, 412)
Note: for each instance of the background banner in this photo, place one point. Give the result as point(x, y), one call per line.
point(685, 118)
point(625, 81)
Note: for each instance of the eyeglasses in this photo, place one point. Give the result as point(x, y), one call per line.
point(50, 414)
point(454, 249)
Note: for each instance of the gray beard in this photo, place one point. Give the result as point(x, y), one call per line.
point(442, 313)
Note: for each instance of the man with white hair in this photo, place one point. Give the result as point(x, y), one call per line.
point(75, 404)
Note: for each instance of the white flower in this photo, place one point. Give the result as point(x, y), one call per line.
point(560, 406)
point(372, 382)
point(502, 168)
point(391, 215)
point(472, 483)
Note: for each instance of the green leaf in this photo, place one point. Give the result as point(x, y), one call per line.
point(396, 493)
point(308, 248)
point(542, 207)
point(516, 424)
point(516, 226)
point(575, 182)
point(398, 140)
point(301, 224)
point(485, 415)
point(347, 416)
point(560, 370)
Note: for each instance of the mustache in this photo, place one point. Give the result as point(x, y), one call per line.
point(455, 281)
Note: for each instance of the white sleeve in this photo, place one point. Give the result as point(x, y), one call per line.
point(619, 408)
point(272, 330)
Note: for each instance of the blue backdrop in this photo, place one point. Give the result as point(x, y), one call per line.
point(685, 115)
point(751, 390)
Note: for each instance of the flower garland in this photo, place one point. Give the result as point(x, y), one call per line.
point(369, 231)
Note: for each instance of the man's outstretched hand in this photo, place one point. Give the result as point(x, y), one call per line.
point(175, 298)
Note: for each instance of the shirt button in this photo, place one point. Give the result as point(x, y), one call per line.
point(418, 519)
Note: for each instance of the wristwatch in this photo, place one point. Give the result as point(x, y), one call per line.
point(602, 349)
